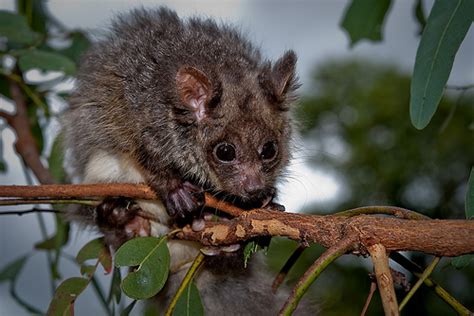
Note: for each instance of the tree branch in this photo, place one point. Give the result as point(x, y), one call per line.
point(26, 145)
point(384, 279)
point(437, 237)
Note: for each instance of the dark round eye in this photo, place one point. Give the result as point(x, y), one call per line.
point(225, 152)
point(269, 151)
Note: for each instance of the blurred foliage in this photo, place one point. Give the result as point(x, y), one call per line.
point(357, 119)
point(358, 123)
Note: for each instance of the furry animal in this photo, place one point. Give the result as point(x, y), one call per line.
point(186, 106)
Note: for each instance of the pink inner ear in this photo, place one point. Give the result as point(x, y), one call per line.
point(194, 89)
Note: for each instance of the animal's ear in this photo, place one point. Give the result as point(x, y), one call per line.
point(194, 90)
point(280, 81)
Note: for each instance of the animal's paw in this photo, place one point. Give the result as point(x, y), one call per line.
point(184, 199)
point(119, 220)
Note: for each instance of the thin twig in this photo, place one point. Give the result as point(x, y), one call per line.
point(34, 210)
point(455, 87)
point(313, 272)
point(286, 268)
point(420, 281)
point(383, 275)
point(440, 291)
point(373, 288)
point(185, 283)
point(388, 210)
point(26, 145)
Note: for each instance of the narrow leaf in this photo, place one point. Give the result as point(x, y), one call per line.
point(11, 271)
point(65, 295)
point(128, 309)
point(189, 303)
point(43, 60)
point(15, 28)
point(115, 291)
point(364, 19)
point(151, 257)
point(445, 30)
point(55, 161)
point(3, 163)
point(419, 14)
point(470, 196)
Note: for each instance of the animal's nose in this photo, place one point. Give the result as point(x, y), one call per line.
point(252, 184)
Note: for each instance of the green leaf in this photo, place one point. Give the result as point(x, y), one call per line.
point(37, 11)
point(88, 270)
point(189, 303)
point(249, 250)
point(36, 129)
point(470, 196)
point(364, 19)
point(43, 60)
point(151, 257)
point(5, 87)
point(56, 159)
point(11, 271)
point(3, 163)
point(419, 14)
point(15, 28)
point(115, 290)
point(80, 44)
point(65, 295)
point(96, 249)
point(445, 30)
point(128, 309)
point(462, 261)
point(59, 239)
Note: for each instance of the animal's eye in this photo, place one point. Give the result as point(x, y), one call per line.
point(269, 151)
point(225, 152)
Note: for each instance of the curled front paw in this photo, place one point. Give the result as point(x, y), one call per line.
point(119, 220)
point(184, 199)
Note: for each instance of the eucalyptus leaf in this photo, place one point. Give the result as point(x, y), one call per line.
point(88, 270)
point(129, 308)
point(150, 256)
point(249, 250)
point(445, 30)
point(11, 271)
point(189, 303)
point(65, 295)
point(462, 261)
point(470, 196)
point(419, 14)
point(35, 126)
point(3, 163)
point(5, 87)
point(44, 60)
point(96, 249)
point(115, 291)
point(57, 240)
point(56, 159)
point(80, 44)
point(364, 19)
point(15, 28)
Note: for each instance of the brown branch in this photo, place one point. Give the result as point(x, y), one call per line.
point(373, 288)
point(25, 144)
point(437, 237)
point(384, 279)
